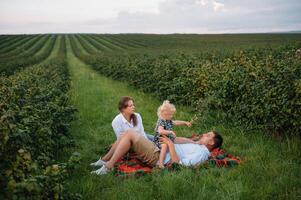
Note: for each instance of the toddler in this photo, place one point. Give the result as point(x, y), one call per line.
point(164, 127)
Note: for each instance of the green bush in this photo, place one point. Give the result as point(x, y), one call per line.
point(35, 116)
point(262, 91)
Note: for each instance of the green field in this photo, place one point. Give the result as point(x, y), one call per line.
point(60, 91)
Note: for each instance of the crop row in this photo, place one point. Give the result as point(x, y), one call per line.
point(34, 122)
point(16, 45)
point(39, 51)
point(94, 44)
point(9, 40)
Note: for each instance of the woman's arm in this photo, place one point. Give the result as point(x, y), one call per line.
point(181, 123)
point(140, 124)
point(118, 129)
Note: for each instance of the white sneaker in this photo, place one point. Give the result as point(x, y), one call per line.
point(101, 171)
point(98, 163)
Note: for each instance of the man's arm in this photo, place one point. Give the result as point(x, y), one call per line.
point(183, 140)
point(172, 151)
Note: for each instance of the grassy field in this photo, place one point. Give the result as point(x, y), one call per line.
point(271, 169)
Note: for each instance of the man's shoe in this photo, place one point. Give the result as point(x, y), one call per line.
point(99, 163)
point(101, 171)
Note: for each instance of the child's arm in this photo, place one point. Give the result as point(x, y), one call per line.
point(183, 140)
point(181, 123)
point(162, 131)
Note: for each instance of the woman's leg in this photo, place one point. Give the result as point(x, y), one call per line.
point(122, 147)
point(163, 151)
point(111, 151)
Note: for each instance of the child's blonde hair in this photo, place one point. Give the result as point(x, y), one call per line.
point(166, 106)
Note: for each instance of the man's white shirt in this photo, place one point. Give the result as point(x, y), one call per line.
point(190, 154)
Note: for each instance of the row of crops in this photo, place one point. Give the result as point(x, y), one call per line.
point(259, 87)
point(19, 51)
point(31, 51)
point(35, 116)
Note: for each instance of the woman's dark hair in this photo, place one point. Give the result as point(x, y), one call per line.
point(218, 140)
point(123, 103)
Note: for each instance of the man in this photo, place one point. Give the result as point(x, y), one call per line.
point(186, 154)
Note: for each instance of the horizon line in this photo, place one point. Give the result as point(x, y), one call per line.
point(174, 33)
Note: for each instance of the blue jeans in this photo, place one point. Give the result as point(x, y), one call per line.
point(150, 137)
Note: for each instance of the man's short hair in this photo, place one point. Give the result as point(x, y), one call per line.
point(218, 140)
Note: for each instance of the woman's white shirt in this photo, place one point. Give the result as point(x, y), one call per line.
point(120, 125)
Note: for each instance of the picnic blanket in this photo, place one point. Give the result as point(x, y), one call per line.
point(130, 165)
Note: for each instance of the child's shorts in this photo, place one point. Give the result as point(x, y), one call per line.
point(157, 139)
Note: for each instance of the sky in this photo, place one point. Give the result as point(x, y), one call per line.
point(149, 16)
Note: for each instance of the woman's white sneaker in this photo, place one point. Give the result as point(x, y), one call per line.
point(100, 162)
point(101, 171)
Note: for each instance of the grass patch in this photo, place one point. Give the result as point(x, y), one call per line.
point(271, 169)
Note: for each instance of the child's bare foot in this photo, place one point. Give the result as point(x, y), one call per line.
point(161, 166)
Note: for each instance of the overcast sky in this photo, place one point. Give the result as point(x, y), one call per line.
point(149, 16)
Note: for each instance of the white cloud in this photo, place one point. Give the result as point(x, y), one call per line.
point(217, 6)
point(58, 10)
point(148, 16)
point(202, 2)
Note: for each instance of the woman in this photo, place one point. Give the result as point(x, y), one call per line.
point(125, 120)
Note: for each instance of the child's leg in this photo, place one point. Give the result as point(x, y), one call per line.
point(163, 151)
point(182, 140)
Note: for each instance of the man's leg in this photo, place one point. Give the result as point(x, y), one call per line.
point(122, 148)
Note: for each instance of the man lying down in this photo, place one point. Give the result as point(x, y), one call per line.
point(189, 154)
